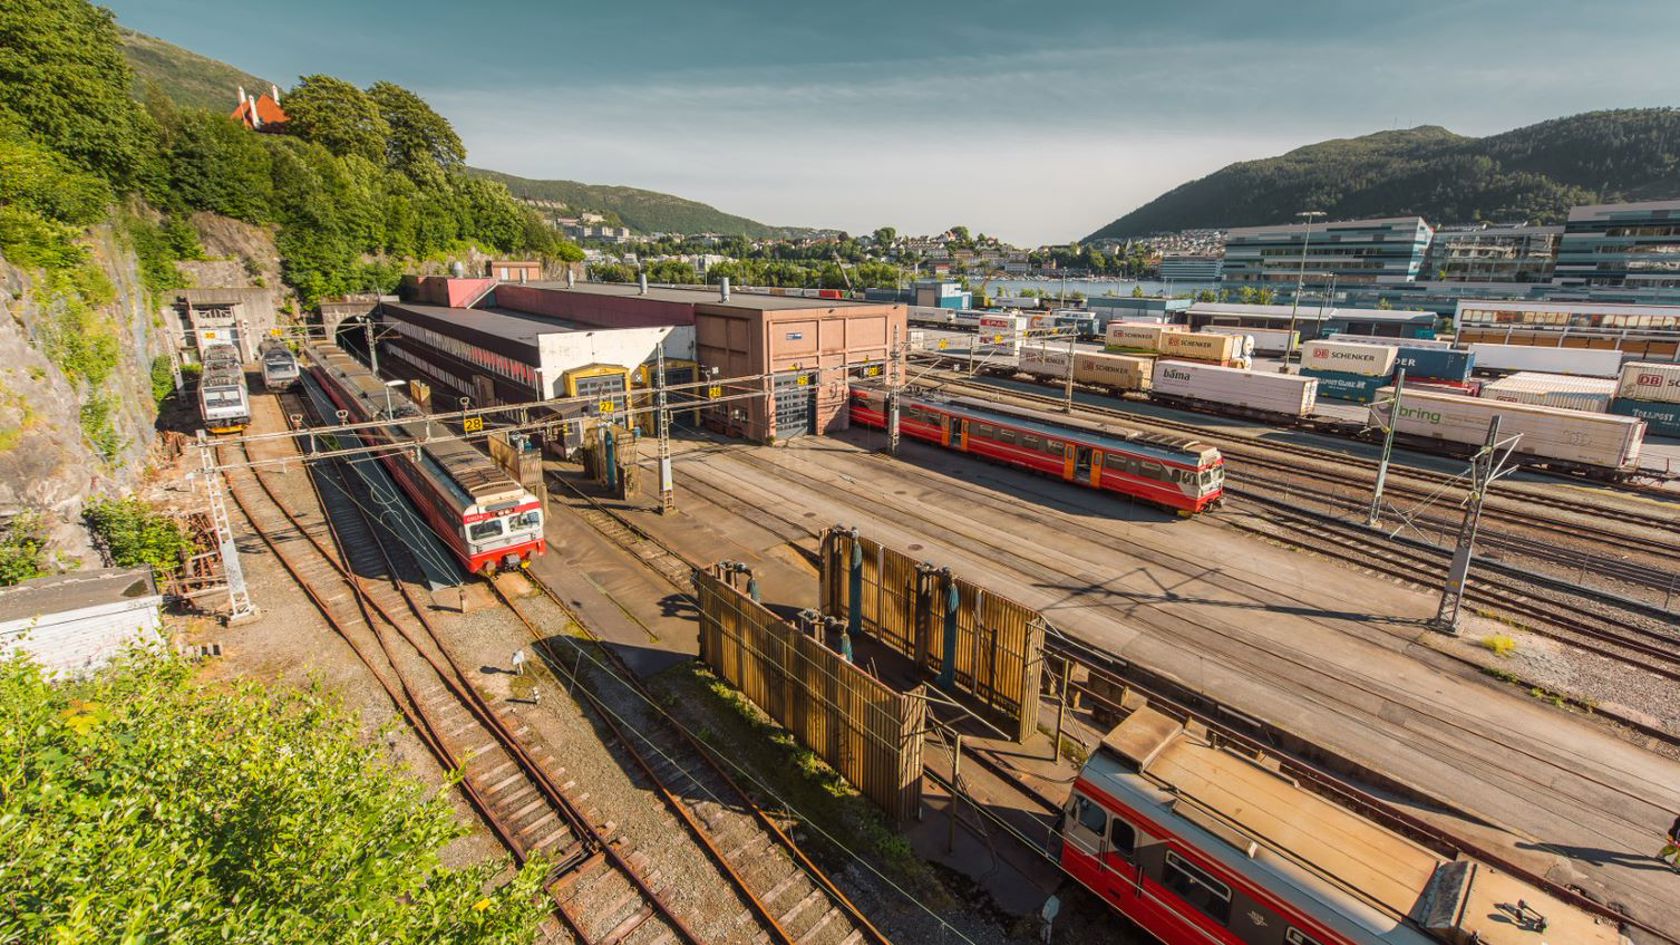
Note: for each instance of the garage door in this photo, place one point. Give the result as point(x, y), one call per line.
point(795, 405)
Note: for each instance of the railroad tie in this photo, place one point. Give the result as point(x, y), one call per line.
point(818, 926)
point(800, 906)
point(628, 927)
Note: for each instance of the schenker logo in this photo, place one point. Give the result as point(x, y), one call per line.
point(1432, 417)
point(1331, 354)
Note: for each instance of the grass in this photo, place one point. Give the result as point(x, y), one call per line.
point(825, 805)
point(1499, 645)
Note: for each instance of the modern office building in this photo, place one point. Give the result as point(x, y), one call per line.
point(1628, 245)
point(1190, 267)
point(1350, 252)
point(1492, 254)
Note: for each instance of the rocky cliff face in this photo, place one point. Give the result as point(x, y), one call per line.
point(47, 461)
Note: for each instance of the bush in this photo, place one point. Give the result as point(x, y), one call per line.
point(146, 805)
point(97, 427)
point(163, 379)
point(134, 534)
point(23, 549)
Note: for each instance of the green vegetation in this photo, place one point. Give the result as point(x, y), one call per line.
point(1534, 173)
point(163, 379)
point(144, 805)
point(645, 211)
point(188, 79)
point(23, 549)
point(134, 534)
point(1499, 644)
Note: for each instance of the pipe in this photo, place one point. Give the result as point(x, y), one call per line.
point(854, 609)
point(723, 289)
point(568, 277)
point(948, 667)
point(641, 282)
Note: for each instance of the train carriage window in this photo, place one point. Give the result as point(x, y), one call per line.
point(1122, 836)
point(984, 431)
point(1053, 446)
point(1091, 816)
point(1297, 937)
point(1030, 441)
point(1195, 886)
point(1006, 435)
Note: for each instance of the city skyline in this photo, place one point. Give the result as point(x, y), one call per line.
point(1034, 129)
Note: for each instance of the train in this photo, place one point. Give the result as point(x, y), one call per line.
point(488, 521)
point(1180, 474)
point(224, 402)
point(279, 365)
point(1202, 844)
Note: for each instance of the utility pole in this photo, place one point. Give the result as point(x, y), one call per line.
point(892, 421)
point(373, 350)
point(1067, 380)
point(239, 596)
point(667, 495)
point(1375, 515)
point(1300, 282)
point(1485, 467)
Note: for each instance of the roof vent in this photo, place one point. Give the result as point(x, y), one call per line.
point(723, 289)
point(568, 277)
point(457, 270)
point(641, 283)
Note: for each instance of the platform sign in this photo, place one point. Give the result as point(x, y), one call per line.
point(944, 343)
point(608, 406)
point(472, 424)
point(715, 391)
point(804, 380)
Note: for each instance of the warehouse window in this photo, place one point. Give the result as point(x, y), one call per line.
point(1197, 887)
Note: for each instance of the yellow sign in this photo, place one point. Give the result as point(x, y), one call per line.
point(608, 406)
point(472, 424)
point(714, 391)
point(874, 370)
point(944, 343)
point(804, 380)
point(274, 332)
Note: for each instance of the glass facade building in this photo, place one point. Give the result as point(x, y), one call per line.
point(1628, 245)
point(1351, 252)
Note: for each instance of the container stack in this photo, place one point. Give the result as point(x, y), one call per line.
point(1650, 391)
point(1590, 394)
point(1136, 337)
point(1348, 371)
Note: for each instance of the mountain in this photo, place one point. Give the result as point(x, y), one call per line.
point(1532, 173)
point(190, 80)
point(645, 211)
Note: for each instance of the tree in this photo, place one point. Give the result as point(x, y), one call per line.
point(421, 143)
point(1137, 291)
point(23, 549)
point(146, 804)
point(1384, 304)
point(1207, 295)
point(134, 534)
point(338, 116)
point(216, 164)
point(960, 237)
point(1265, 296)
point(607, 271)
point(884, 237)
point(64, 79)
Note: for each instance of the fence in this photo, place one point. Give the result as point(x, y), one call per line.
point(864, 729)
point(986, 645)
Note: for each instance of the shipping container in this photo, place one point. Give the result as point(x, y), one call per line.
point(1266, 340)
point(1391, 342)
point(1660, 419)
point(1650, 381)
point(1553, 390)
point(1288, 395)
point(1345, 358)
point(1586, 362)
point(1570, 437)
point(1342, 385)
point(1119, 372)
point(1459, 388)
point(1200, 346)
point(1001, 333)
point(1436, 364)
point(1143, 337)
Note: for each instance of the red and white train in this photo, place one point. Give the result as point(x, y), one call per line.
point(1174, 472)
point(486, 518)
point(1200, 844)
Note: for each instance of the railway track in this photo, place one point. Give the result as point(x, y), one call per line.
point(600, 888)
point(1334, 468)
point(790, 895)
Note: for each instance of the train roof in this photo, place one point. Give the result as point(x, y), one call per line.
point(473, 472)
point(221, 375)
point(1059, 426)
point(1265, 822)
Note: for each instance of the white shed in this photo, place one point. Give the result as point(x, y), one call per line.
point(75, 623)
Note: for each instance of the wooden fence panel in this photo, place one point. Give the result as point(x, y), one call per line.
point(865, 730)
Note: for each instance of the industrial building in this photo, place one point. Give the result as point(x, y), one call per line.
point(1126, 308)
point(1349, 251)
point(1314, 321)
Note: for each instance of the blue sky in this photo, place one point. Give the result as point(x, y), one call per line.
point(1038, 122)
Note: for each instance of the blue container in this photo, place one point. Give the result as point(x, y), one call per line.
point(1436, 364)
point(1340, 385)
point(1660, 419)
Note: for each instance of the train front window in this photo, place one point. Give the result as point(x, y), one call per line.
point(1090, 816)
point(528, 520)
point(485, 530)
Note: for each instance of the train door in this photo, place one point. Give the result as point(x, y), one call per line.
point(956, 433)
point(1082, 464)
point(1095, 468)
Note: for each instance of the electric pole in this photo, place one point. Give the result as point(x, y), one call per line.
point(667, 495)
point(1067, 381)
point(239, 596)
point(1485, 467)
point(1375, 515)
point(1300, 282)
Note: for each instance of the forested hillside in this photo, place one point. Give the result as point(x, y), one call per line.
point(1533, 173)
point(645, 211)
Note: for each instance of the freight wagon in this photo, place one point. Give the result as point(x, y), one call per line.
point(1234, 390)
point(1347, 358)
point(1553, 390)
point(1117, 373)
point(1603, 445)
point(1587, 362)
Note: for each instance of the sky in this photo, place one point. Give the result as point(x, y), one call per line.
point(1036, 122)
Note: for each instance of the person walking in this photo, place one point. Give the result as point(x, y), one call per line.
point(519, 662)
point(1671, 850)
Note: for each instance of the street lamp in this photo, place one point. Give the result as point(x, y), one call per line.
point(388, 386)
point(1300, 281)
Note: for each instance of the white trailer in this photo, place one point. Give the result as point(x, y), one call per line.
point(1587, 362)
point(1239, 389)
point(1266, 340)
point(1346, 358)
point(1549, 435)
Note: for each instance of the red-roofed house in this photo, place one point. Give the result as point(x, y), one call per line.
point(260, 112)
